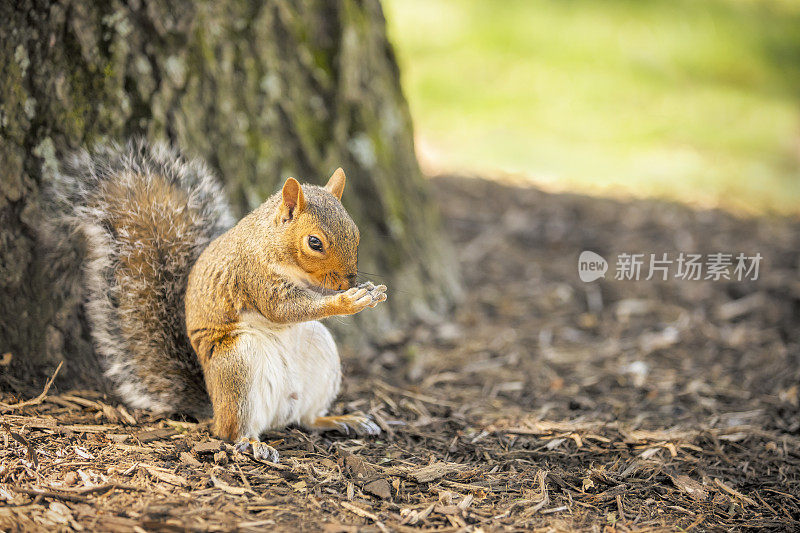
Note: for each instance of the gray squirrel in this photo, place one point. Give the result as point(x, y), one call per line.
point(190, 312)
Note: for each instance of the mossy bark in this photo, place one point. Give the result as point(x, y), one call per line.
point(261, 90)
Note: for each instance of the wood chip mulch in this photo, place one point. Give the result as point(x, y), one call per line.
point(544, 403)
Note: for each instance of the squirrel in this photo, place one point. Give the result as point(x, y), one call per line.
point(193, 314)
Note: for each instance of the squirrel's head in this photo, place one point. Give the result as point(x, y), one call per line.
point(319, 233)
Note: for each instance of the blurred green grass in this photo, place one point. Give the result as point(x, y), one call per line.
point(696, 100)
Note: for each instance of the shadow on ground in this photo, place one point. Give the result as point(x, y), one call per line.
point(545, 403)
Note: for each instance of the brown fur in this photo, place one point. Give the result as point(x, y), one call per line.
point(145, 213)
point(242, 269)
point(264, 265)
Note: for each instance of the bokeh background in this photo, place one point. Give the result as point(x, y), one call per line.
point(692, 100)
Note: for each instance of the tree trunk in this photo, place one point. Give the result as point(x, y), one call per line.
point(261, 90)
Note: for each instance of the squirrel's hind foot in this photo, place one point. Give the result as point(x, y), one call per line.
point(347, 424)
point(261, 450)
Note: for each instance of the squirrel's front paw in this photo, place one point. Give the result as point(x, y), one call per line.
point(356, 299)
point(378, 292)
point(261, 450)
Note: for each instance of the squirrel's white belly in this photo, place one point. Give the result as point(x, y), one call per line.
point(295, 373)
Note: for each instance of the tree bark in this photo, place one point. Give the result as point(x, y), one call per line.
point(261, 90)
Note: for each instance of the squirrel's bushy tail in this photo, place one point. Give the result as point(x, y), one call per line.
point(145, 212)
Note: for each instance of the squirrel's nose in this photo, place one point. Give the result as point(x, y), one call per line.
point(351, 279)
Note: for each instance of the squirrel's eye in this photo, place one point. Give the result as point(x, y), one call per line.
point(314, 243)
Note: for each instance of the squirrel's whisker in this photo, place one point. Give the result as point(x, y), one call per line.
point(371, 274)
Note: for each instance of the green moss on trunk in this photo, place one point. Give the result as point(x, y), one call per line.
point(261, 90)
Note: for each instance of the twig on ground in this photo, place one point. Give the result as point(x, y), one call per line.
point(33, 401)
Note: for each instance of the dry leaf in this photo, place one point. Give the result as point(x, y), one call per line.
point(167, 477)
point(378, 487)
point(694, 489)
point(434, 471)
point(218, 483)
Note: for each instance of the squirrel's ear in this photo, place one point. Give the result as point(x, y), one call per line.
point(335, 184)
point(293, 200)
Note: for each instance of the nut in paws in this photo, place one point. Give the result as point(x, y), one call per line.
point(377, 292)
point(365, 295)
